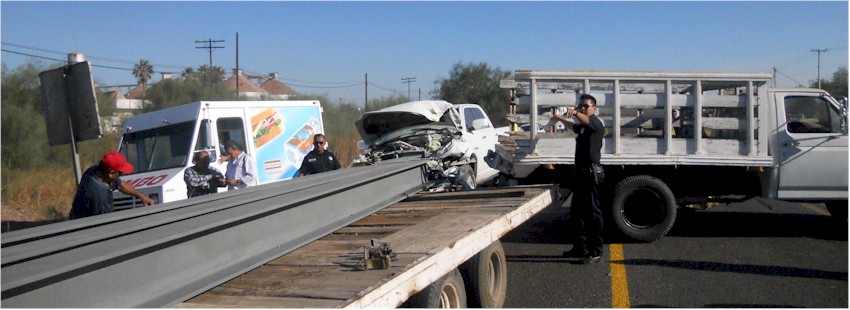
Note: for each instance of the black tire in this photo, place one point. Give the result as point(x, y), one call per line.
point(643, 208)
point(466, 177)
point(486, 277)
point(446, 292)
point(837, 208)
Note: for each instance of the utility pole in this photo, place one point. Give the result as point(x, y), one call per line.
point(366, 99)
point(408, 81)
point(819, 51)
point(237, 66)
point(774, 76)
point(209, 46)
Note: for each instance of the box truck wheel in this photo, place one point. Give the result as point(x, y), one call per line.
point(643, 208)
point(486, 277)
point(446, 292)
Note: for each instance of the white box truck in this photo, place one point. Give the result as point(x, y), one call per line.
point(683, 138)
point(160, 144)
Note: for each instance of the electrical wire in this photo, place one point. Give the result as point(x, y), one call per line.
point(87, 56)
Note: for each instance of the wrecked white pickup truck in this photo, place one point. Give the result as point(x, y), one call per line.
point(458, 137)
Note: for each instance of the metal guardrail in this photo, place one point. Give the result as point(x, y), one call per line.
point(159, 256)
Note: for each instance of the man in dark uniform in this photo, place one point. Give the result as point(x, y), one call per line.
point(319, 159)
point(94, 193)
point(585, 211)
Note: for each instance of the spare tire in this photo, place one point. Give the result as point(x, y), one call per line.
point(643, 208)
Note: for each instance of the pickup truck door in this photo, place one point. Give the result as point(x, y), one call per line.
point(482, 136)
point(812, 147)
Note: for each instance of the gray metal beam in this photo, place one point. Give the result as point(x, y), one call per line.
point(175, 260)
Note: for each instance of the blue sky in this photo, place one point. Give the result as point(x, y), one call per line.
point(328, 47)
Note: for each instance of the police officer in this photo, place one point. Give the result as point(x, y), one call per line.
point(585, 211)
point(319, 159)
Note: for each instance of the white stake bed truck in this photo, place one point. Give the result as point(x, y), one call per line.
point(675, 139)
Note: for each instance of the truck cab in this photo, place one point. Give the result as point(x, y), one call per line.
point(809, 146)
point(161, 144)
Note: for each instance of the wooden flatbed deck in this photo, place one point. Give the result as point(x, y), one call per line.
point(432, 233)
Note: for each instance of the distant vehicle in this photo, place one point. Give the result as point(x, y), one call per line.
point(457, 136)
point(685, 139)
point(160, 144)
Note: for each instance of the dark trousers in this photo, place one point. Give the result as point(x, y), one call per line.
point(586, 214)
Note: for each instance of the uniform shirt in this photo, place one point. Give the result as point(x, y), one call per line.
point(93, 196)
point(589, 142)
point(200, 183)
point(317, 163)
point(242, 168)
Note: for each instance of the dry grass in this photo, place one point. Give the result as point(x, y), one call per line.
point(345, 147)
point(37, 195)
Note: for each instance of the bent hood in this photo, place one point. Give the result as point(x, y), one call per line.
point(373, 125)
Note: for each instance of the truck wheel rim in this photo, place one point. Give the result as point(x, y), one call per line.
point(449, 297)
point(494, 275)
point(644, 208)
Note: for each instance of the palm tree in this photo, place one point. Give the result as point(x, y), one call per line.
point(188, 74)
point(143, 71)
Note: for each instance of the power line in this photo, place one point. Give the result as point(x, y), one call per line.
point(210, 47)
point(87, 55)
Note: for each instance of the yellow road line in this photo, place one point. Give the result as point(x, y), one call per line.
point(619, 285)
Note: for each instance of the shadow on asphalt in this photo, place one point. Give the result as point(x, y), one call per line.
point(744, 224)
point(551, 226)
point(739, 268)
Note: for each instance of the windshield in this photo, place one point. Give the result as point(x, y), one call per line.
point(158, 148)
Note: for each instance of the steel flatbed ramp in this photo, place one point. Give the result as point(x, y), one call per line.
point(432, 233)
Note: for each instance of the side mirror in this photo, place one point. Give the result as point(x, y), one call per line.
point(480, 123)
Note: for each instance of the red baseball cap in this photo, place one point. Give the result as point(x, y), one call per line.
point(116, 161)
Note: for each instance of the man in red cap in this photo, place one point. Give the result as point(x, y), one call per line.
point(94, 193)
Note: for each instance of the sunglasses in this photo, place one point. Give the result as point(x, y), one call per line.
point(319, 142)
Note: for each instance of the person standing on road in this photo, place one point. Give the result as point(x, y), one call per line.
point(241, 168)
point(585, 211)
point(94, 193)
point(201, 179)
point(319, 159)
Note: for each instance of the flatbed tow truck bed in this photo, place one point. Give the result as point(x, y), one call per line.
point(431, 233)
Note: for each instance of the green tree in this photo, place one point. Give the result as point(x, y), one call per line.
point(476, 83)
point(188, 74)
point(143, 71)
point(210, 75)
point(837, 86)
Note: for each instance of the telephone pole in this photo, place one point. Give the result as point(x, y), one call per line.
point(819, 51)
point(408, 81)
point(209, 46)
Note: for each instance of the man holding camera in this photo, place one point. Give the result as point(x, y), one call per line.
point(585, 211)
point(319, 159)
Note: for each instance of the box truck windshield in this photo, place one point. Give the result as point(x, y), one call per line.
point(158, 148)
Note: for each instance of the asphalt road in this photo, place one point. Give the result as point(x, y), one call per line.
point(752, 254)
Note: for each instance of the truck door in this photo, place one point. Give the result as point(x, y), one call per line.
point(227, 124)
point(482, 136)
point(812, 140)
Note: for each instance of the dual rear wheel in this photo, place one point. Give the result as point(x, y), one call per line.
point(481, 281)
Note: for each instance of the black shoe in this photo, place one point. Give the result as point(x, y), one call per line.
point(575, 253)
point(591, 259)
